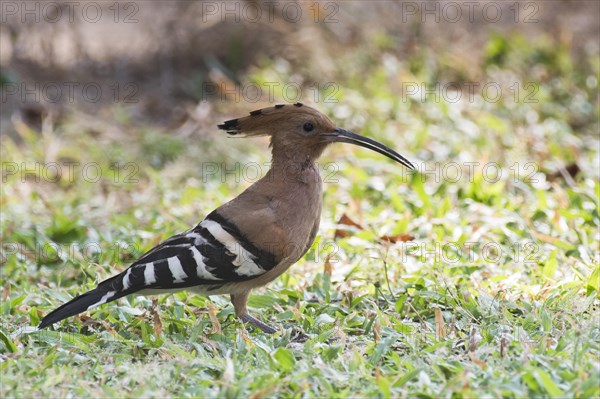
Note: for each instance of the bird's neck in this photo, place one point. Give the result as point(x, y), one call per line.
point(294, 168)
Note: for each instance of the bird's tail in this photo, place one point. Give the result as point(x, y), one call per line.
point(102, 294)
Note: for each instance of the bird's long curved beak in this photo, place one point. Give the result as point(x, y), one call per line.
point(340, 135)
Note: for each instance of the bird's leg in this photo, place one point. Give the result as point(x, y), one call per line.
point(239, 304)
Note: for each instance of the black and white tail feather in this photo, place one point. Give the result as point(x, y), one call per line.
point(208, 258)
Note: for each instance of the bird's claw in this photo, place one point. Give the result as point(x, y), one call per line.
point(246, 318)
point(298, 336)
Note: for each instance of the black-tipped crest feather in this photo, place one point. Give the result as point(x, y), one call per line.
point(269, 120)
point(231, 126)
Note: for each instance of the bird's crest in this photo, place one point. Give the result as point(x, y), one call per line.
point(267, 121)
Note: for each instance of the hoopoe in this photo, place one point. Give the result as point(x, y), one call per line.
point(252, 239)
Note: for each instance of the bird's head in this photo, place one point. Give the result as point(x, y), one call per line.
point(299, 130)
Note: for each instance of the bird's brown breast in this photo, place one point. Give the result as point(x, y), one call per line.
point(280, 213)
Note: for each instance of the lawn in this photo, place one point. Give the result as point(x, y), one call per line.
point(477, 276)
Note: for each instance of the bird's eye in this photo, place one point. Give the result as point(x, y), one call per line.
point(308, 127)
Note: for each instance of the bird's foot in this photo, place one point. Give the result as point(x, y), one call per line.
point(246, 318)
point(298, 336)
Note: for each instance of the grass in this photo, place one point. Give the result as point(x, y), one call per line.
point(487, 283)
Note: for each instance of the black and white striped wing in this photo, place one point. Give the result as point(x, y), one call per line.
point(211, 254)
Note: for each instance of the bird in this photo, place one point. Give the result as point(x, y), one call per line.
point(255, 237)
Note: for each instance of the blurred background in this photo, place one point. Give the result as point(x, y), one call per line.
point(157, 61)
